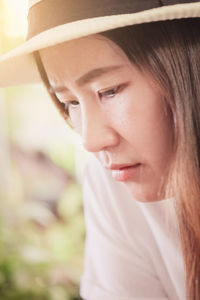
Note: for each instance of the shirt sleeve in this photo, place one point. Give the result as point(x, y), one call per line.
point(114, 267)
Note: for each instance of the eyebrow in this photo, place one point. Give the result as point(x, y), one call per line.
point(87, 78)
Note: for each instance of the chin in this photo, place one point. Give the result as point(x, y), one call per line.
point(143, 194)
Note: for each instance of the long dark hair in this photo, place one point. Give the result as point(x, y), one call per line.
point(170, 52)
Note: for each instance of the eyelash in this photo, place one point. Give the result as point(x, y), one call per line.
point(109, 93)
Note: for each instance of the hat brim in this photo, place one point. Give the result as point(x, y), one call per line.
point(18, 66)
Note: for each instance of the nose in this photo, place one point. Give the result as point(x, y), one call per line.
point(97, 131)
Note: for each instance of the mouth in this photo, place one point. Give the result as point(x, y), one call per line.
point(125, 173)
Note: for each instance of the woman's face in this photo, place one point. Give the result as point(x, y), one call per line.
point(119, 112)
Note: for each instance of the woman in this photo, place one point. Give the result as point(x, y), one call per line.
point(133, 94)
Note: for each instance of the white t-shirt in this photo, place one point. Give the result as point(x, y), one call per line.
point(132, 248)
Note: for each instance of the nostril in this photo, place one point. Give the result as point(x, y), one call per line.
point(105, 158)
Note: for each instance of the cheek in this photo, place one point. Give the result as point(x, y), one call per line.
point(161, 129)
point(121, 113)
point(156, 146)
point(145, 123)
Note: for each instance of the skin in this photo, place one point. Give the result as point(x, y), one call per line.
point(121, 115)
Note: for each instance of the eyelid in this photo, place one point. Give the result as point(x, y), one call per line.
point(70, 103)
point(115, 88)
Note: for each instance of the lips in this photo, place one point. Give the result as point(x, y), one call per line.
point(125, 172)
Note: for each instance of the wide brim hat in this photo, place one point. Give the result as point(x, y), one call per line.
point(51, 22)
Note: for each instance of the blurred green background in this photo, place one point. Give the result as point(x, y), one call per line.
point(42, 228)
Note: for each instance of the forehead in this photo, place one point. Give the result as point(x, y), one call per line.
point(94, 50)
point(66, 62)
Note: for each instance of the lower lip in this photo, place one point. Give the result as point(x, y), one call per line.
point(127, 173)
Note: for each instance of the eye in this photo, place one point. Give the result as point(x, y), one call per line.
point(109, 93)
point(72, 103)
